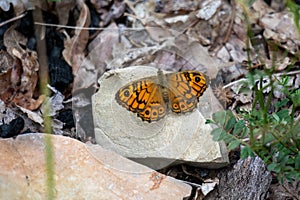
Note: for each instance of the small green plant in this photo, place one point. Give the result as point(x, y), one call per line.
point(268, 130)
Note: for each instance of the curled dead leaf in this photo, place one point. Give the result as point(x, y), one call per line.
point(21, 80)
point(74, 47)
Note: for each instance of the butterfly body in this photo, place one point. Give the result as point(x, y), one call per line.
point(152, 97)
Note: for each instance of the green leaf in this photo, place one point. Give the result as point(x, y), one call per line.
point(280, 104)
point(284, 114)
point(271, 166)
point(220, 117)
point(276, 117)
point(227, 138)
point(246, 152)
point(283, 155)
point(230, 123)
point(297, 161)
point(244, 133)
point(274, 167)
point(296, 98)
point(291, 176)
point(269, 138)
point(288, 168)
point(238, 127)
point(296, 130)
point(217, 133)
point(291, 160)
point(284, 160)
point(233, 144)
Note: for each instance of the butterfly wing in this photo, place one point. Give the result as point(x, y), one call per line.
point(144, 98)
point(185, 90)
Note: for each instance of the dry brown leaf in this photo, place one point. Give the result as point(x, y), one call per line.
point(99, 4)
point(55, 102)
point(102, 46)
point(116, 10)
point(34, 116)
point(157, 33)
point(10, 76)
point(258, 9)
point(236, 49)
point(280, 27)
point(12, 39)
point(278, 30)
point(171, 6)
point(63, 9)
point(100, 52)
point(29, 78)
point(24, 78)
point(74, 47)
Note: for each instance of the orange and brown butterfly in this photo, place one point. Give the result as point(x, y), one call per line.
point(152, 97)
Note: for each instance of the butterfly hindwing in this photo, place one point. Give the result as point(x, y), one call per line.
point(156, 107)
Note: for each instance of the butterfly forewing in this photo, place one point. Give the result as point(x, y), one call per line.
point(141, 97)
point(198, 83)
point(130, 98)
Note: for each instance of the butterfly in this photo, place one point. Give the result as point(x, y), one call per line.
point(152, 97)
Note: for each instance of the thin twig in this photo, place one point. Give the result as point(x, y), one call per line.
point(234, 82)
point(12, 19)
point(83, 28)
point(226, 38)
point(190, 183)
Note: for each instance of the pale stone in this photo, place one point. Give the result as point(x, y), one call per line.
point(80, 171)
point(175, 138)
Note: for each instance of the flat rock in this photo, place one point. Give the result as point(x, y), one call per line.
point(80, 172)
point(173, 139)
